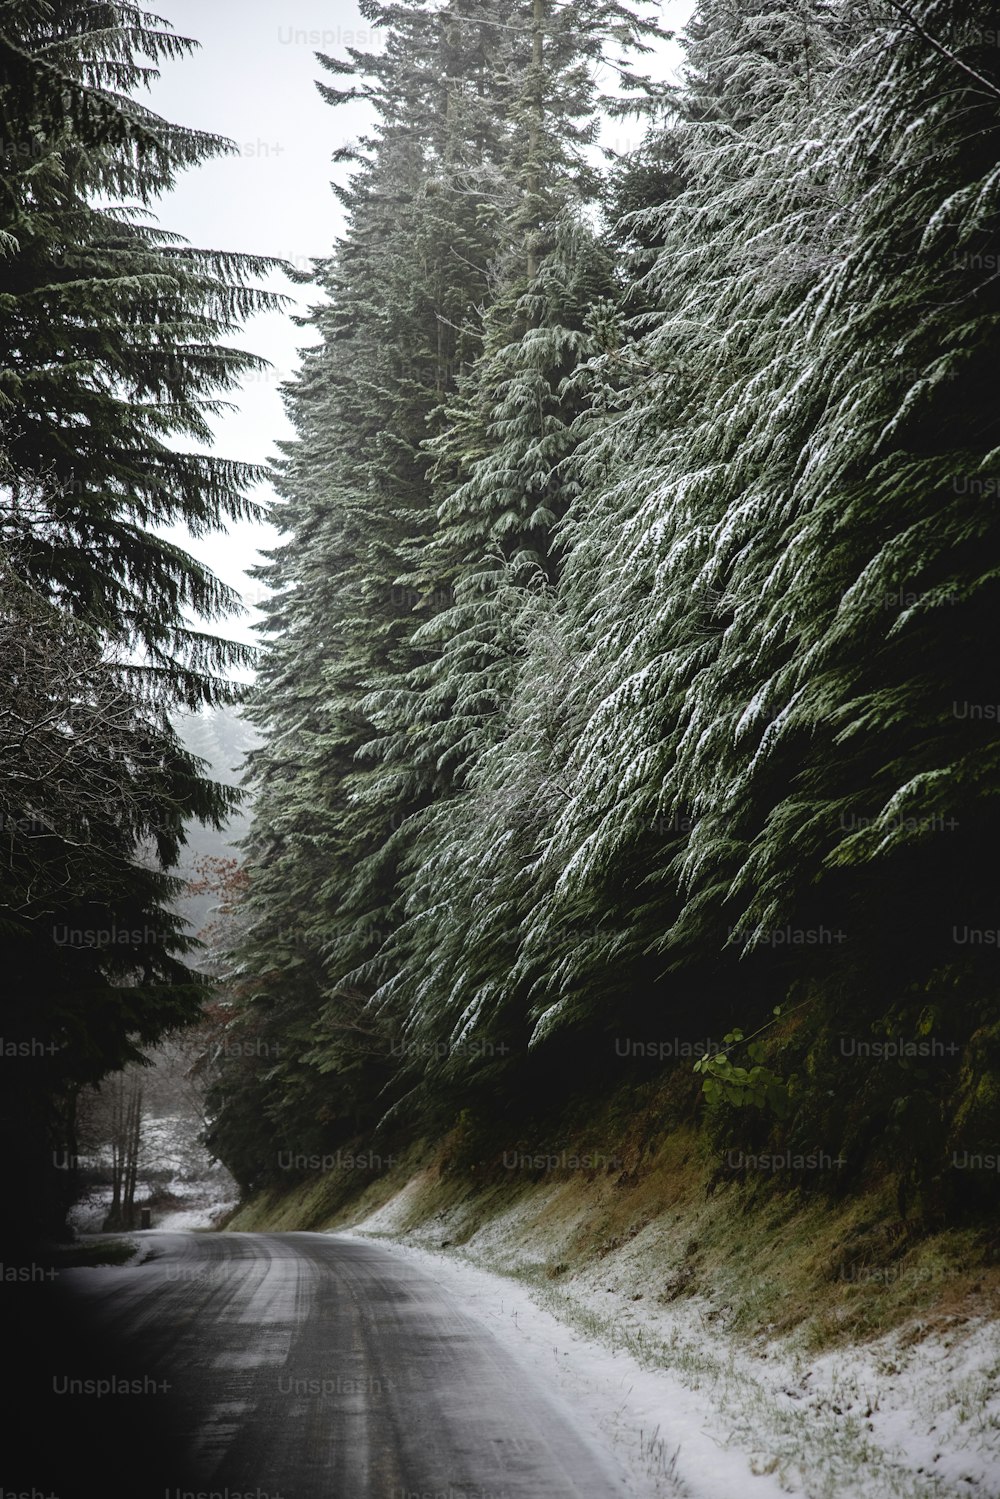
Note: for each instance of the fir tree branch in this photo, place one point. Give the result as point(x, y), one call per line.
point(944, 51)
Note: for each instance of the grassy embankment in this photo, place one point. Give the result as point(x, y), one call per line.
point(660, 1216)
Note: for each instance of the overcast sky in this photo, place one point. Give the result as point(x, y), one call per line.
point(252, 80)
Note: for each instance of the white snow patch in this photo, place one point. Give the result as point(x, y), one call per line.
point(644, 1420)
point(692, 1411)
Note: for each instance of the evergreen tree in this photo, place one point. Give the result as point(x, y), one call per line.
point(691, 563)
point(110, 329)
point(405, 290)
point(763, 698)
point(452, 192)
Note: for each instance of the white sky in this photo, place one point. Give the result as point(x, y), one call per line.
point(253, 81)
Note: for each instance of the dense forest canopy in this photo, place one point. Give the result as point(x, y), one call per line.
point(626, 670)
point(626, 667)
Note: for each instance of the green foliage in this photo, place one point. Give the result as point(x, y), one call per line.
point(756, 1085)
point(681, 699)
point(114, 355)
point(434, 420)
point(114, 336)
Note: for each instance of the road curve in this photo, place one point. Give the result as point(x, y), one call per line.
point(314, 1366)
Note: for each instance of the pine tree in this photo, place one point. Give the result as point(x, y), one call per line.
point(111, 330)
point(452, 189)
point(405, 290)
point(826, 316)
point(643, 700)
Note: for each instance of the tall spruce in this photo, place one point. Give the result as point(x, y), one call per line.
point(683, 710)
point(405, 290)
point(111, 331)
point(446, 254)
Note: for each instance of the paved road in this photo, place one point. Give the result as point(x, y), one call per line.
point(319, 1367)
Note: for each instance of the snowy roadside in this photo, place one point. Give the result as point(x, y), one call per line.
point(193, 1205)
point(176, 1178)
point(691, 1413)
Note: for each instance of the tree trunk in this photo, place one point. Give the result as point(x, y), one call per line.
point(534, 139)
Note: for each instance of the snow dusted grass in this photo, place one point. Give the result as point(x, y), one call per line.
point(896, 1419)
point(327, 1196)
point(732, 1336)
point(917, 1420)
point(758, 1344)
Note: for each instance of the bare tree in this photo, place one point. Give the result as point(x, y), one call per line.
point(126, 1139)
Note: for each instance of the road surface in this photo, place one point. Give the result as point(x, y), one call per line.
point(311, 1366)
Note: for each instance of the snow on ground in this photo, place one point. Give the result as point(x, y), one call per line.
point(611, 1394)
point(177, 1178)
point(206, 1203)
point(177, 1203)
point(914, 1415)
